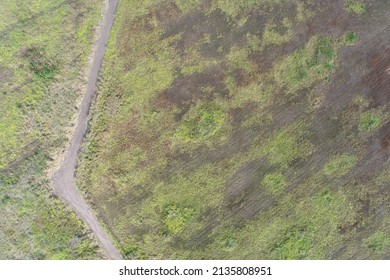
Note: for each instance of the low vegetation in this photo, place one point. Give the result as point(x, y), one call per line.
point(350, 38)
point(44, 49)
point(370, 121)
point(242, 130)
point(274, 182)
point(355, 6)
point(339, 165)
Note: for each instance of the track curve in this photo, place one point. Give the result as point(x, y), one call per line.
point(64, 177)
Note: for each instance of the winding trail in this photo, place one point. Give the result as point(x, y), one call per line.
point(64, 177)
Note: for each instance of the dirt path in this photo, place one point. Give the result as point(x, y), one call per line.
point(63, 178)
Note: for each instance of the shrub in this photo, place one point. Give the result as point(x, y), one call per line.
point(350, 38)
point(40, 64)
point(357, 7)
point(369, 121)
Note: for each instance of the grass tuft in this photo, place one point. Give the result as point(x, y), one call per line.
point(204, 123)
point(355, 6)
point(350, 38)
point(340, 165)
point(175, 218)
point(378, 242)
point(370, 121)
point(274, 182)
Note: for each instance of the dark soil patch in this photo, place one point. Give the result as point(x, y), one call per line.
point(200, 238)
point(187, 89)
point(6, 75)
point(384, 138)
point(244, 196)
point(378, 78)
point(332, 20)
point(167, 13)
point(196, 25)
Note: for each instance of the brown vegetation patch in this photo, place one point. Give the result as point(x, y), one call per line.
point(6, 75)
point(244, 196)
point(125, 131)
point(331, 20)
point(167, 12)
point(132, 29)
point(196, 25)
point(185, 89)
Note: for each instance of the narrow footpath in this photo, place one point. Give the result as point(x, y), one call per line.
point(64, 177)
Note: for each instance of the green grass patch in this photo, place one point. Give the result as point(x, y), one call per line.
point(340, 165)
point(294, 246)
point(378, 242)
point(187, 5)
point(233, 8)
point(149, 76)
point(201, 123)
point(238, 58)
point(288, 146)
point(354, 6)
point(350, 38)
point(274, 182)
point(175, 218)
point(370, 121)
point(42, 60)
point(272, 37)
point(315, 62)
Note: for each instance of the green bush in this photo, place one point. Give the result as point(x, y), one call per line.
point(40, 64)
point(350, 38)
point(325, 49)
point(130, 250)
point(369, 121)
point(357, 7)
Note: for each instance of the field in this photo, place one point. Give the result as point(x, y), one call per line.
point(44, 50)
point(244, 130)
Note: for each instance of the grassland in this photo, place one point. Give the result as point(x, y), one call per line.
point(44, 49)
point(243, 130)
